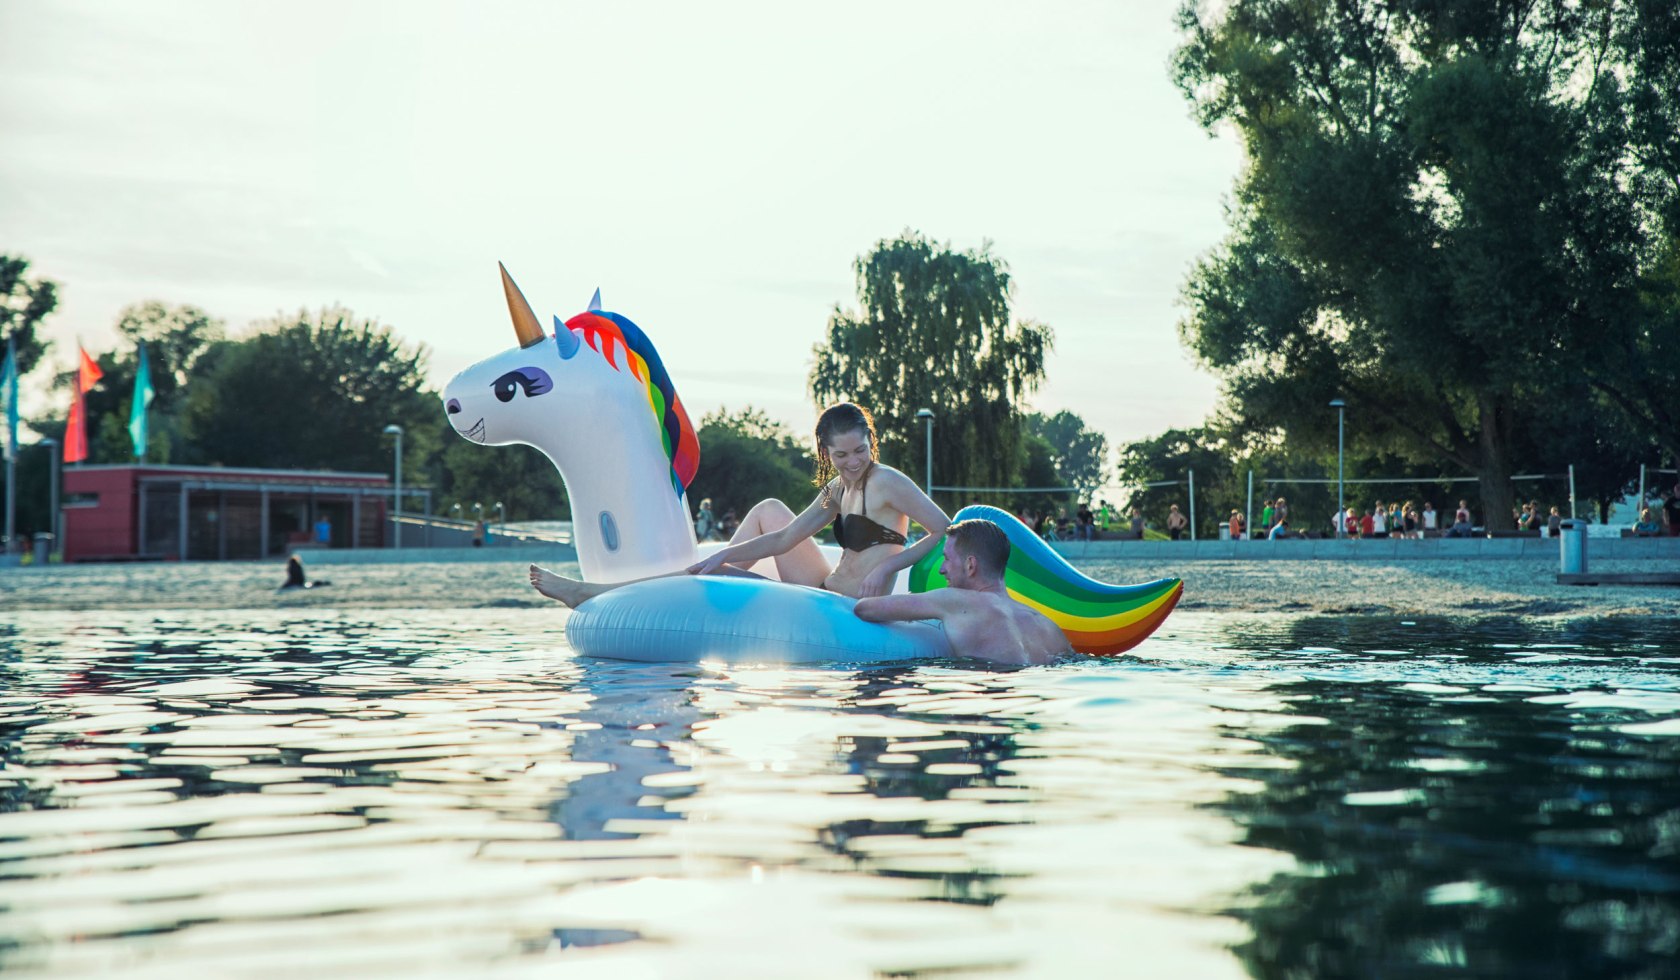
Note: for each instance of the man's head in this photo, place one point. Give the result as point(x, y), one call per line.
point(976, 553)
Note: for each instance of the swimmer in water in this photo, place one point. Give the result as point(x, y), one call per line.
point(979, 616)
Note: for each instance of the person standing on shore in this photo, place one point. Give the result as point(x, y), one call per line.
point(1430, 519)
point(1176, 522)
point(1461, 521)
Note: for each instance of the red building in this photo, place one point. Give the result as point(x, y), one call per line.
point(116, 513)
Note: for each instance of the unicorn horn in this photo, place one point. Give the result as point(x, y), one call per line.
point(595, 301)
point(567, 341)
point(524, 321)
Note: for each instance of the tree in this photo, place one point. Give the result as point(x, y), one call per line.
point(314, 391)
point(933, 331)
point(1167, 459)
point(1080, 455)
point(1431, 224)
point(176, 339)
point(521, 478)
point(24, 303)
point(746, 457)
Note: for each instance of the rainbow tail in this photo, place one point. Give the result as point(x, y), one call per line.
point(1097, 617)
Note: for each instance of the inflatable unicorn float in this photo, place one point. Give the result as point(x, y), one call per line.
point(596, 399)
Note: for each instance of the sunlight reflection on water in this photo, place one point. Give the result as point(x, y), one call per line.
point(452, 793)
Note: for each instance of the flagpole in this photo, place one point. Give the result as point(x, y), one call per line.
point(9, 384)
point(11, 504)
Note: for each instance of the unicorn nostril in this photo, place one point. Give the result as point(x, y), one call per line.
point(453, 406)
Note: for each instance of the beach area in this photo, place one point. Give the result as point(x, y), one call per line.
point(1447, 587)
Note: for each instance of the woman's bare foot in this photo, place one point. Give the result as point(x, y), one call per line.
point(558, 587)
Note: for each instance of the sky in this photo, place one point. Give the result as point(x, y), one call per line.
point(715, 169)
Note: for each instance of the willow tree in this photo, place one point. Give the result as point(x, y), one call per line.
point(1432, 223)
point(933, 330)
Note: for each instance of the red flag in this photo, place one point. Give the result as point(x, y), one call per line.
point(75, 435)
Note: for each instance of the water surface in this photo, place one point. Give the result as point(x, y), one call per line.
point(450, 793)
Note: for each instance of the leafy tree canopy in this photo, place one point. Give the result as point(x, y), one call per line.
point(311, 391)
point(176, 338)
point(24, 303)
point(746, 457)
point(521, 478)
point(1434, 223)
point(933, 330)
point(1078, 454)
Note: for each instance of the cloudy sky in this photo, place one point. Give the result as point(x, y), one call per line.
point(714, 168)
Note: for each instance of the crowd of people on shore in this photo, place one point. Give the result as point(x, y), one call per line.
point(1391, 519)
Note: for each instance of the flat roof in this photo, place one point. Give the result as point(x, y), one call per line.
point(229, 472)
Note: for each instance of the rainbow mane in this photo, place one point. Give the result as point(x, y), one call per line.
point(1097, 617)
point(609, 334)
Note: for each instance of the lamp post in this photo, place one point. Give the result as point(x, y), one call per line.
point(501, 518)
point(52, 483)
point(1341, 506)
point(926, 415)
point(396, 430)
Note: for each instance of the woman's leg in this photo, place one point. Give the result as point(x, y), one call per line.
point(805, 564)
point(572, 592)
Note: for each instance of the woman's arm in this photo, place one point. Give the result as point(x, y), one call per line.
point(903, 495)
point(807, 524)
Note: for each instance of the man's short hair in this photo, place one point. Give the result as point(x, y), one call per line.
point(981, 539)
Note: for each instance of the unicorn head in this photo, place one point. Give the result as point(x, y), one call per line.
point(595, 399)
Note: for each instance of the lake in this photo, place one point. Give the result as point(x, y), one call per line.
point(453, 793)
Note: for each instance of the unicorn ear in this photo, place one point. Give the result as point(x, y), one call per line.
point(595, 302)
point(567, 341)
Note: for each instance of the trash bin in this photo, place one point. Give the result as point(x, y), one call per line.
point(43, 548)
point(1224, 530)
point(1572, 547)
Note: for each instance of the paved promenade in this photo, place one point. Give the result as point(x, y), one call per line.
point(1295, 549)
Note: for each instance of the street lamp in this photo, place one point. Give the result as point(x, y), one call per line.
point(396, 430)
point(501, 518)
point(926, 415)
point(52, 481)
point(1341, 506)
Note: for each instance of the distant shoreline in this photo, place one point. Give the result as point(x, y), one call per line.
point(1458, 587)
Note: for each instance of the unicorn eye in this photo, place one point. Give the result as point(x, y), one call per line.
point(532, 381)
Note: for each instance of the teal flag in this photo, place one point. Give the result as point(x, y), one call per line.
point(142, 400)
point(8, 393)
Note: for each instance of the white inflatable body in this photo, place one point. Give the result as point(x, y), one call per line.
point(690, 618)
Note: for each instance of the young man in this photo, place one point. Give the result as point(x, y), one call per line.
point(979, 617)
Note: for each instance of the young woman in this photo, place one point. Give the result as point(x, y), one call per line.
point(869, 504)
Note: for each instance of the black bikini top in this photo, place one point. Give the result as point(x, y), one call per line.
point(855, 532)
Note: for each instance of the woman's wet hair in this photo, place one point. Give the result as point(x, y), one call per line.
point(983, 540)
point(836, 420)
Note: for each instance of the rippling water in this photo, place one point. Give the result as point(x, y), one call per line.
point(452, 793)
